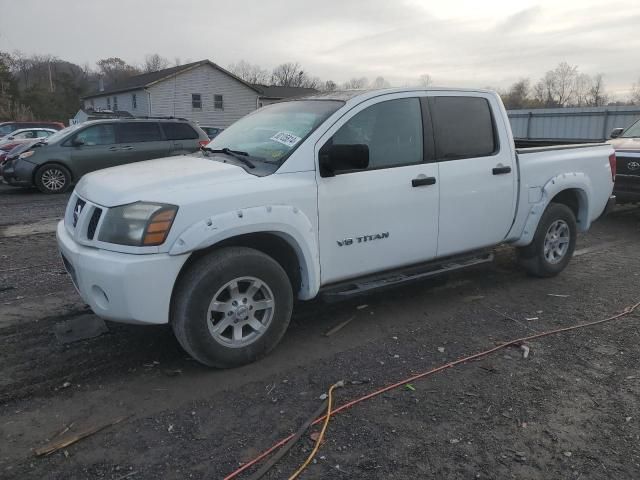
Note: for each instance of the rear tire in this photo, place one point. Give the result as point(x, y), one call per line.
point(553, 243)
point(231, 307)
point(53, 178)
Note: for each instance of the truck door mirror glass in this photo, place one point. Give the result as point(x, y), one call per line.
point(335, 158)
point(616, 132)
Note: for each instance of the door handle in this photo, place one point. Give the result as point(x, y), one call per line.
point(501, 170)
point(419, 182)
point(128, 147)
point(113, 149)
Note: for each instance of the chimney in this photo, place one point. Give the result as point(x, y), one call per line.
point(101, 84)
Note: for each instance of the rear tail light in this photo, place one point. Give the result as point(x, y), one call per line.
point(203, 143)
point(612, 164)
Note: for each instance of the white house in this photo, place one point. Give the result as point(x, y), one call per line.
point(200, 91)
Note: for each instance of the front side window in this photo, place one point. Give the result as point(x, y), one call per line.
point(217, 102)
point(463, 127)
point(135, 132)
point(273, 132)
point(103, 134)
point(196, 101)
point(392, 130)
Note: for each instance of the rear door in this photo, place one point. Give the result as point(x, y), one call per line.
point(182, 137)
point(477, 173)
point(99, 149)
point(140, 141)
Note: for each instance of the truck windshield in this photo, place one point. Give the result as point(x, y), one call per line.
point(273, 132)
point(632, 131)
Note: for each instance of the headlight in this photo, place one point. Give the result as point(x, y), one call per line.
point(138, 224)
point(26, 154)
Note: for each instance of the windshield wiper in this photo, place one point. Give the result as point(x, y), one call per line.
point(238, 155)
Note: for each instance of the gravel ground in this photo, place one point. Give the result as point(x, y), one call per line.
point(570, 410)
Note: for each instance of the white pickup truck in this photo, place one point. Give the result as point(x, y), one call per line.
point(336, 194)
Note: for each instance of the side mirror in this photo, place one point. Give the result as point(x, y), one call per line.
point(77, 142)
point(343, 157)
point(616, 132)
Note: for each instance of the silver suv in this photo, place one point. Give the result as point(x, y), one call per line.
point(55, 163)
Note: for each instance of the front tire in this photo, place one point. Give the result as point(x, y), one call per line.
point(553, 243)
point(231, 307)
point(52, 178)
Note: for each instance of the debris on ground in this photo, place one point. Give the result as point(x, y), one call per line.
point(472, 298)
point(525, 351)
point(362, 307)
point(53, 447)
point(441, 349)
point(338, 327)
point(558, 295)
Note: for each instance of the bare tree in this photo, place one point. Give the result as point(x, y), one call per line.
point(518, 95)
point(154, 62)
point(425, 80)
point(557, 87)
point(249, 73)
point(329, 86)
point(114, 69)
point(356, 83)
point(596, 96)
point(635, 93)
point(379, 83)
point(291, 74)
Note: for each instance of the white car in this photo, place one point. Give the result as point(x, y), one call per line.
point(337, 194)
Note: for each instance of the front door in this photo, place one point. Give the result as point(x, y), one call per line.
point(477, 174)
point(98, 149)
point(384, 216)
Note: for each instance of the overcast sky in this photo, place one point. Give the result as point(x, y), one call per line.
point(458, 42)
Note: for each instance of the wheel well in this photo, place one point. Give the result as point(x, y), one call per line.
point(268, 243)
point(59, 164)
point(574, 199)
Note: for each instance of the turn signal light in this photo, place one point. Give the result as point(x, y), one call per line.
point(158, 228)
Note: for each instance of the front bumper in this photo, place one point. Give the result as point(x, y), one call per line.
point(20, 176)
point(119, 286)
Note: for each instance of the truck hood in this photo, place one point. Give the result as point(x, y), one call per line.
point(156, 180)
point(622, 143)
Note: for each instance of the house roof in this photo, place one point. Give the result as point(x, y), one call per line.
point(284, 92)
point(144, 80)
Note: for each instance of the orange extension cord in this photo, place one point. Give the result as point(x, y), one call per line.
point(625, 312)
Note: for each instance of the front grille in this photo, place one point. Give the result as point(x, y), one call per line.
point(627, 165)
point(93, 223)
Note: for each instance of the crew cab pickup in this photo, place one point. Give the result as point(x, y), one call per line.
point(337, 195)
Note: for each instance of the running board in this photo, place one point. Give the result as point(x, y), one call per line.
point(349, 289)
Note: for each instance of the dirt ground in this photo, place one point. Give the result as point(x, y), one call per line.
point(571, 410)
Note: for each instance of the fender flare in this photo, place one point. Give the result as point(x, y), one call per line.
point(285, 221)
point(566, 181)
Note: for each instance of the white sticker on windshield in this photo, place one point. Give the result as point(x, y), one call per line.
point(286, 138)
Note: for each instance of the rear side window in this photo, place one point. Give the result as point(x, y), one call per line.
point(133, 132)
point(392, 130)
point(179, 131)
point(463, 127)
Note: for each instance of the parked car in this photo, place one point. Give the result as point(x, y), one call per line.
point(23, 135)
point(627, 145)
point(212, 132)
point(55, 163)
point(7, 127)
point(339, 194)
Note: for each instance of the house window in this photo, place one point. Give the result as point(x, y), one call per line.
point(115, 103)
point(217, 102)
point(134, 101)
point(196, 101)
point(108, 103)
